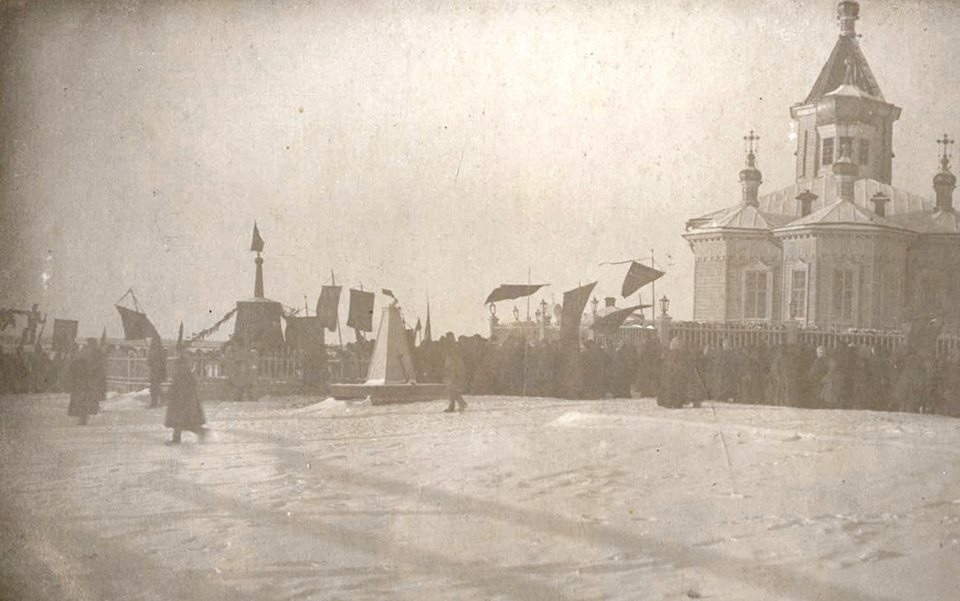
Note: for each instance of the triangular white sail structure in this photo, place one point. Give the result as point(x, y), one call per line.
point(392, 360)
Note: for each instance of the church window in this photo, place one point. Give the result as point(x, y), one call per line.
point(843, 295)
point(827, 153)
point(864, 152)
point(798, 294)
point(846, 146)
point(755, 295)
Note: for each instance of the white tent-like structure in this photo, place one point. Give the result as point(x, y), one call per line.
point(391, 377)
point(392, 360)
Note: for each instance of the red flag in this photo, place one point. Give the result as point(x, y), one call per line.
point(257, 243)
point(638, 276)
point(574, 301)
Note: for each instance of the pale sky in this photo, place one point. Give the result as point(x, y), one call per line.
point(432, 148)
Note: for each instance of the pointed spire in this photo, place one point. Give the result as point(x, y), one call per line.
point(848, 12)
point(750, 176)
point(944, 182)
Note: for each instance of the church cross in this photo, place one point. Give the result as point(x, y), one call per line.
point(750, 140)
point(945, 141)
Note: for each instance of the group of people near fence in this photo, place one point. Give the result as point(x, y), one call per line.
point(678, 374)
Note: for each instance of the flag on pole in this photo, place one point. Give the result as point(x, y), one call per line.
point(512, 291)
point(574, 302)
point(257, 243)
point(360, 315)
point(638, 276)
point(136, 325)
point(611, 322)
point(328, 306)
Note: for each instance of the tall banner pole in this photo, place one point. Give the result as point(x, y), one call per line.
point(653, 303)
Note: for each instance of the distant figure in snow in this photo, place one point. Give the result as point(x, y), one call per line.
point(157, 364)
point(454, 374)
point(84, 383)
point(184, 411)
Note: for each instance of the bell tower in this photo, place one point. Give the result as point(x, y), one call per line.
point(845, 112)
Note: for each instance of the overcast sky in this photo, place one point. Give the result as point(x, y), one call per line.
point(435, 149)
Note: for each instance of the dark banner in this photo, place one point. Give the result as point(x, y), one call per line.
point(574, 302)
point(64, 335)
point(304, 333)
point(136, 326)
point(512, 291)
point(638, 276)
point(361, 310)
point(328, 306)
point(611, 322)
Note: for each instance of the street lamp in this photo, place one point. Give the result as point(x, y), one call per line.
point(664, 305)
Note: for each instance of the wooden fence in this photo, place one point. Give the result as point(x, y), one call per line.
point(128, 371)
point(703, 334)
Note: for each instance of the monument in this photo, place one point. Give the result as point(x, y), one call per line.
point(391, 377)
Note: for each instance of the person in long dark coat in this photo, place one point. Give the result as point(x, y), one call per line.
point(950, 385)
point(649, 366)
point(157, 366)
point(184, 411)
point(84, 393)
point(454, 375)
point(622, 367)
point(815, 379)
point(680, 382)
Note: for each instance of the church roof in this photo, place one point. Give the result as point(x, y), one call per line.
point(833, 74)
point(937, 222)
point(746, 217)
point(784, 201)
point(843, 212)
point(780, 208)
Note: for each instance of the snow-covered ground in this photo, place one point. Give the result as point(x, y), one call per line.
point(514, 499)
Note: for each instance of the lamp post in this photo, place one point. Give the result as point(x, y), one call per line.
point(664, 305)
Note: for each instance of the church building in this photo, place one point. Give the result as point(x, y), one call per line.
point(841, 247)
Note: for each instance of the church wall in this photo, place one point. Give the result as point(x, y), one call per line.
point(752, 253)
point(799, 253)
point(933, 278)
point(875, 261)
point(709, 279)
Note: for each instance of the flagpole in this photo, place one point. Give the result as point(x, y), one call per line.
point(333, 282)
point(653, 303)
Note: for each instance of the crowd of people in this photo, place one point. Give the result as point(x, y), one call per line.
point(845, 377)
